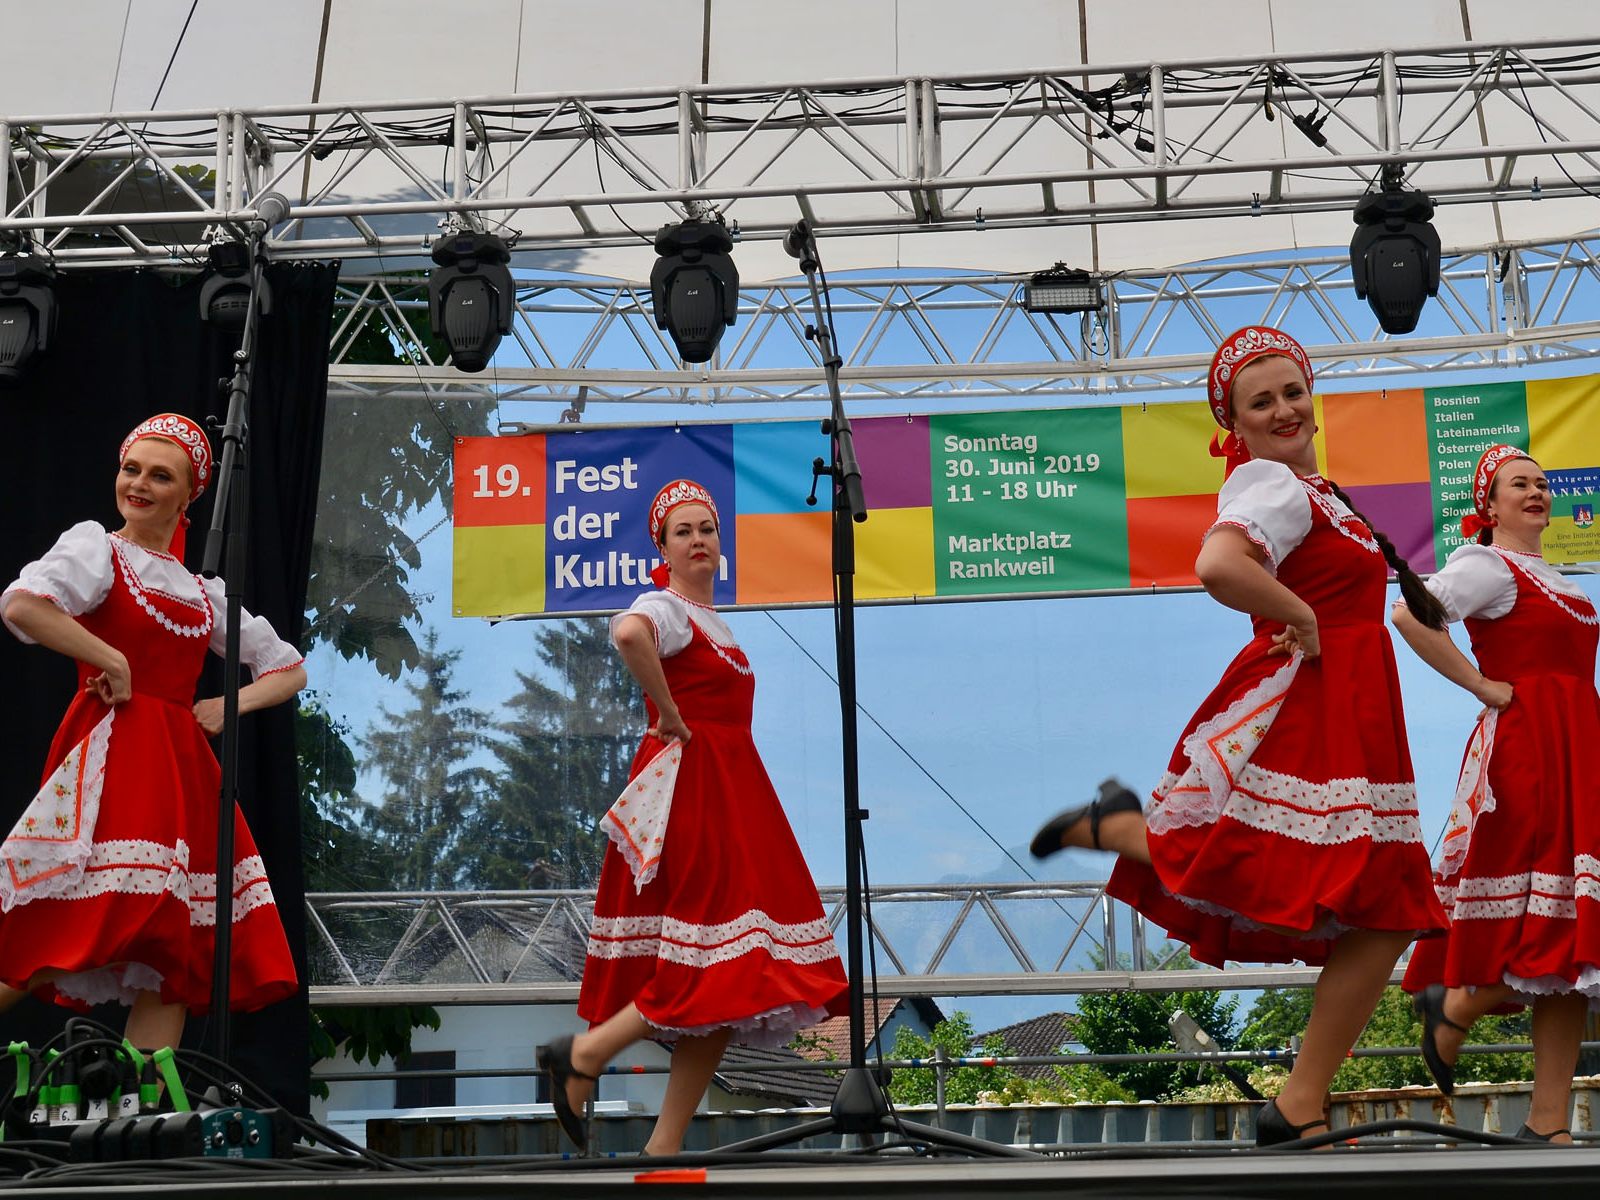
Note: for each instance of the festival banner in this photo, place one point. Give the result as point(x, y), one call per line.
point(972, 505)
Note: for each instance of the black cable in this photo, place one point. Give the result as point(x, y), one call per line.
point(916, 762)
point(594, 138)
point(174, 56)
point(1539, 125)
point(329, 1137)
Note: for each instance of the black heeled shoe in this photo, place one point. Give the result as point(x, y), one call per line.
point(1429, 1005)
point(1273, 1128)
point(1113, 798)
point(556, 1060)
point(1528, 1135)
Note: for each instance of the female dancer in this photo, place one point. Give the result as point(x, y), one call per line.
point(1519, 869)
point(707, 926)
point(1286, 825)
point(108, 880)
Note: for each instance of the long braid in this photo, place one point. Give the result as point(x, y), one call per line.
point(1424, 605)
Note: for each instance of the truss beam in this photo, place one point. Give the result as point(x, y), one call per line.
point(1180, 139)
point(441, 947)
point(943, 341)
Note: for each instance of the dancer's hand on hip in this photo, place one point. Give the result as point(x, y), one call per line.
point(670, 728)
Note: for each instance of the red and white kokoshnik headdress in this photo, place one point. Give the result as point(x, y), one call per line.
point(1238, 350)
point(1489, 462)
point(676, 494)
point(186, 435)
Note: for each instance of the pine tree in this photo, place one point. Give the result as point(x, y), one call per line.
point(431, 787)
point(564, 749)
point(339, 855)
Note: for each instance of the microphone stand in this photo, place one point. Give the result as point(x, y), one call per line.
point(230, 525)
point(860, 1105)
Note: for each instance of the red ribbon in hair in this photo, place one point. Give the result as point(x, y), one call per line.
point(1231, 449)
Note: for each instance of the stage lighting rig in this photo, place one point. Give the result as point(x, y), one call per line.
point(471, 296)
point(225, 294)
point(1394, 255)
point(1061, 290)
point(694, 286)
point(27, 310)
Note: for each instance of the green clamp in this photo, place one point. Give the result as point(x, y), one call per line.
point(169, 1073)
point(24, 1060)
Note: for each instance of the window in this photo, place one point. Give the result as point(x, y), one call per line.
point(428, 1091)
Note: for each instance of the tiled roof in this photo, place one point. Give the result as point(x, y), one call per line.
point(799, 1088)
point(1045, 1034)
point(831, 1038)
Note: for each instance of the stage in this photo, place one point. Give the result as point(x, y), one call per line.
point(882, 1175)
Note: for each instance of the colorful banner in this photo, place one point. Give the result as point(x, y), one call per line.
point(1047, 501)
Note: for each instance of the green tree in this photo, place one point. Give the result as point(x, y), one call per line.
point(1277, 1015)
point(431, 786)
point(564, 750)
point(367, 1032)
point(1395, 1024)
point(1070, 1083)
point(1135, 1022)
point(963, 1085)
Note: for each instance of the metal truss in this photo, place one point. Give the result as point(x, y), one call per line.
point(1471, 122)
point(938, 939)
point(946, 341)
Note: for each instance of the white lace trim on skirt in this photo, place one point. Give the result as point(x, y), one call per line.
point(119, 983)
point(1218, 750)
point(768, 1031)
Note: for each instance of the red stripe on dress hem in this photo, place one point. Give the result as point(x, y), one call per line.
point(1342, 808)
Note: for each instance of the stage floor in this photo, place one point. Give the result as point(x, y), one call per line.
point(1344, 1171)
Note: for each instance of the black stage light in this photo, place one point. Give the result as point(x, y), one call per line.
point(694, 286)
point(1394, 255)
point(225, 294)
point(27, 312)
point(1060, 290)
point(471, 296)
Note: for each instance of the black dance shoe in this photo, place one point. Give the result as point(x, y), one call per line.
point(1527, 1135)
point(1429, 1005)
point(1113, 798)
point(1273, 1128)
point(556, 1059)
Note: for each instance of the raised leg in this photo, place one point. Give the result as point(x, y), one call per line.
point(591, 1051)
point(1464, 1006)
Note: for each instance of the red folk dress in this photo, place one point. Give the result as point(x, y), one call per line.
point(110, 874)
point(1519, 868)
point(1289, 801)
point(728, 932)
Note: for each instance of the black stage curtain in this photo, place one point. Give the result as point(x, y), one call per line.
point(129, 344)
